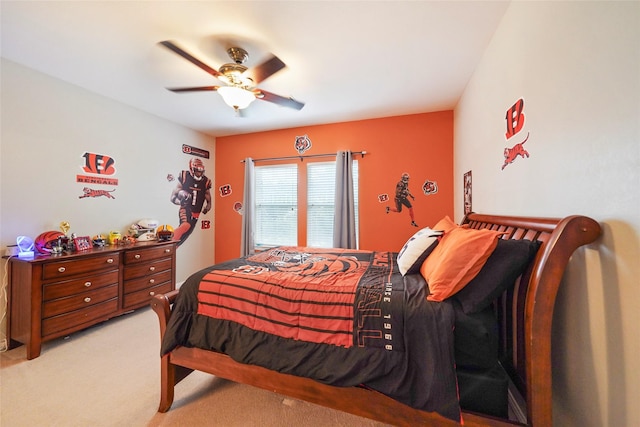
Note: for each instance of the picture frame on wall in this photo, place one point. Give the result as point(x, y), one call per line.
point(467, 192)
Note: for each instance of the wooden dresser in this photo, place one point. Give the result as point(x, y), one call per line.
point(54, 295)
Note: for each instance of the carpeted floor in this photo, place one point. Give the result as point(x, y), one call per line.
point(108, 375)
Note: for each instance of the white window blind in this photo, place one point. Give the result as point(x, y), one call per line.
point(276, 205)
point(321, 183)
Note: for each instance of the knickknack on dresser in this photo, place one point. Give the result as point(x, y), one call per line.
point(51, 296)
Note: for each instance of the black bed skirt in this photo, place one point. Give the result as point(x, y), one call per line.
point(484, 391)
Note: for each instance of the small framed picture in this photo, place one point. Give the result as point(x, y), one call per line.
point(467, 192)
point(82, 243)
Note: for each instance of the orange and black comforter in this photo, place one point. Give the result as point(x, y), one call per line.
point(340, 316)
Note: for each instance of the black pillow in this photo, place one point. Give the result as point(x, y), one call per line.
point(506, 263)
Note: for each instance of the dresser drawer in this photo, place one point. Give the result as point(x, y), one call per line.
point(143, 297)
point(147, 254)
point(75, 286)
point(79, 301)
point(74, 319)
point(62, 269)
point(147, 281)
point(138, 270)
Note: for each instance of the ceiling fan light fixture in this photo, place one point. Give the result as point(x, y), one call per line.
point(239, 89)
point(236, 97)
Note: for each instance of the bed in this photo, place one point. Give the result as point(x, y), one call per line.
point(482, 360)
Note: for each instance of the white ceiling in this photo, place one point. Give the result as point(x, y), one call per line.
point(347, 60)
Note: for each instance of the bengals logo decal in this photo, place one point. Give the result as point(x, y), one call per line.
point(515, 118)
point(98, 164)
point(382, 198)
point(429, 187)
point(188, 149)
point(302, 144)
point(225, 190)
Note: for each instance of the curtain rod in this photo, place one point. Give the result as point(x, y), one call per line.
point(362, 153)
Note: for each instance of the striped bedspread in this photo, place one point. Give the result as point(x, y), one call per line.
point(335, 296)
point(339, 316)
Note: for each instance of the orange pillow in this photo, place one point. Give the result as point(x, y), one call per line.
point(456, 260)
point(446, 224)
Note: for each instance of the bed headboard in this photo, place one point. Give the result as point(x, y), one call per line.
point(525, 313)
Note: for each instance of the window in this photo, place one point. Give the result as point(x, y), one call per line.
point(276, 205)
point(321, 183)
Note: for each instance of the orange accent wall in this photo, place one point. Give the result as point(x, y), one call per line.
point(419, 144)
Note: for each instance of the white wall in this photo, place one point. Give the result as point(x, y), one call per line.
point(577, 67)
point(47, 125)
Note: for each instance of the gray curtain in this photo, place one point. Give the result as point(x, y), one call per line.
point(247, 243)
point(344, 219)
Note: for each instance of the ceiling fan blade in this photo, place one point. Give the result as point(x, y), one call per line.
point(266, 69)
point(176, 49)
point(193, 89)
point(277, 99)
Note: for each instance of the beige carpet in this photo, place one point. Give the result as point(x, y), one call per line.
point(108, 375)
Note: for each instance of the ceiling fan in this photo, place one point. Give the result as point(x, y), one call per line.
point(239, 89)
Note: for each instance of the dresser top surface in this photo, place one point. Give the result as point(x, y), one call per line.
point(42, 258)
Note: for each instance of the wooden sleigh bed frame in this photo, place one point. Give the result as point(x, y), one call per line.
point(525, 315)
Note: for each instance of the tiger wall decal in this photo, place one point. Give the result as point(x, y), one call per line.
point(510, 154)
point(88, 192)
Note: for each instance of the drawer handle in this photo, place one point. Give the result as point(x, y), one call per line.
point(152, 281)
point(110, 261)
point(87, 299)
point(61, 269)
point(87, 284)
point(152, 268)
point(137, 256)
point(166, 251)
point(152, 293)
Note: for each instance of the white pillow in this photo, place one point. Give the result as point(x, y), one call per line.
point(417, 249)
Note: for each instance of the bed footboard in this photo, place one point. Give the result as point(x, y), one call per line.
point(170, 374)
point(359, 401)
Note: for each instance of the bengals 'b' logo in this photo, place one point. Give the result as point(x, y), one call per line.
point(98, 164)
point(302, 144)
point(225, 190)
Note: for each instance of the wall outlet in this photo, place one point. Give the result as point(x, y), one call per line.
point(12, 251)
